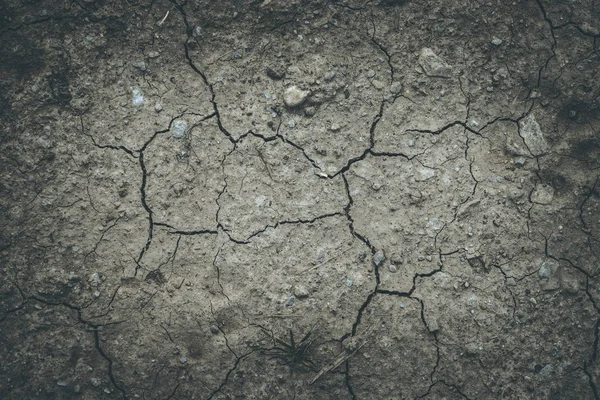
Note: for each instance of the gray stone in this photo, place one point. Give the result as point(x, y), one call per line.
point(329, 76)
point(310, 111)
point(214, 329)
point(301, 292)
point(433, 325)
point(183, 360)
point(424, 174)
point(290, 301)
point(472, 302)
point(547, 371)
point(396, 88)
point(378, 258)
point(377, 84)
point(392, 268)
point(137, 96)
point(548, 270)
point(549, 274)
point(520, 162)
point(158, 107)
point(95, 279)
point(496, 41)
point(542, 194)
point(273, 74)
point(73, 277)
point(349, 282)
point(293, 96)
point(532, 136)
point(433, 65)
point(180, 128)
point(321, 255)
point(140, 64)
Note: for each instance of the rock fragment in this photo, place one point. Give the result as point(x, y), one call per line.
point(294, 97)
point(301, 291)
point(137, 96)
point(396, 88)
point(542, 194)
point(179, 129)
point(378, 258)
point(424, 174)
point(549, 275)
point(95, 280)
point(290, 301)
point(433, 65)
point(273, 74)
point(532, 136)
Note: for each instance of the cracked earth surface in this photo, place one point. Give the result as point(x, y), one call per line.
point(429, 211)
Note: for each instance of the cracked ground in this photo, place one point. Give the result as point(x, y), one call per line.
point(411, 190)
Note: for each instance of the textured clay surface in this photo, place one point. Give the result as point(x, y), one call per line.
point(299, 199)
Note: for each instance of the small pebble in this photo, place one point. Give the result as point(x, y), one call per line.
point(275, 75)
point(335, 127)
point(95, 279)
point(214, 329)
point(371, 73)
point(291, 123)
point(392, 268)
point(378, 258)
point(496, 42)
point(183, 360)
point(290, 301)
point(310, 111)
point(72, 276)
point(396, 88)
point(329, 76)
point(158, 107)
point(520, 162)
point(349, 282)
point(138, 96)
point(301, 291)
point(140, 64)
point(179, 129)
point(377, 84)
point(293, 96)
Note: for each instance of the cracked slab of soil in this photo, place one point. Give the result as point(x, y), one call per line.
point(299, 199)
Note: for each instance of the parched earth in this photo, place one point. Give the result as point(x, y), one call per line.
point(299, 199)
